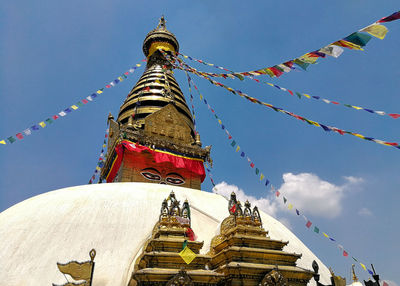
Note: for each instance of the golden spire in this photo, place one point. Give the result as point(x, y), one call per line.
point(355, 279)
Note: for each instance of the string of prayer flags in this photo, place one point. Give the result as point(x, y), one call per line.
point(278, 109)
point(233, 143)
point(191, 101)
point(66, 111)
point(354, 41)
point(316, 229)
point(101, 160)
point(308, 96)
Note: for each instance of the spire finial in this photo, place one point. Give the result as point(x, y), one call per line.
point(161, 24)
point(355, 279)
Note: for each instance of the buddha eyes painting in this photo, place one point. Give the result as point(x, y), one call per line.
point(154, 175)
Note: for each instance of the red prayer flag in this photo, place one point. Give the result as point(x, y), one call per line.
point(230, 137)
point(385, 284)
point(345, 253)
point(126, 73)
point(190, 234)
point(291, 92)
point(394, 16)
point(19, 136)
point(108, 86)
point(252, 165)
point(84, 101)
point(55, 117)
point(276, 72)
point(277, 193)
point(392, 143)
point(334, 102)
point(394, 115)
point(309, 223)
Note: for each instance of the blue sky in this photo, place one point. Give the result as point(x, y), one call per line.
point(54, 53)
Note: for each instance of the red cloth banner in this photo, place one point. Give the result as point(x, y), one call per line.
point(194, 165)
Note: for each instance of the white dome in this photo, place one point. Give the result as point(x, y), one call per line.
point(115, 219)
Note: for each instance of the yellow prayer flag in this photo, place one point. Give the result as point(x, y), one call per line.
point(307, 95)
point(376, 30)
point(237, 148)
point(309, 59)
point(42, 124)
point(201, 96)
point(290, 206)
point(363, 266)
point(262, 177)
point(138, 65)
point(74, 107)
point(327, 236)
point(187, 255)
point(359, 135)
point(219, 121)
point(185, 56)
point(356, 107)
point(120, 78)
point(3, 142)
point(99, 91)
point(269, 72)
point(314, 123)
point(77, 270)
point(269, 84)
point(347, 44)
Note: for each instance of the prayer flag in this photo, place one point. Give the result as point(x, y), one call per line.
point(347, 44)
point(345, 253)
point(358, 38)
point(252, 164)
point(316, 229)
point(233, 143)
point(363, 266)
point(376, 30)
point(35, 127)
point(187, 255)
point(80, 104)
point(308, 224)
point(100, 91)
point(290, 206)
point(267, 182)
point(49, 121)
point(27, 132)
point(394, 115)
point(242, 154)
point(62, 113)
point(257, 171)
point(67, 110)
point(19, 136)
point(277, 193)
point(332, 50)
point(284, 200)
point(237, 148)
point(3, 142)
point(297, 212)
point(190, 234)
point(11, 139)
point(42, 124)
point(385, 284)
point(372, 273)
point(55, 117)
point(262, 177)
point(74, 107)
point(394, 16)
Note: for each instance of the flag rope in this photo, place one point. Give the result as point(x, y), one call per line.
point(101, 160)
point(291, 206)
point(66, 111)
point(291, 91)
point(354, 41)
point(326, 128)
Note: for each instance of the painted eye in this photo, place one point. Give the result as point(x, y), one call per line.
point(151, 176)
point(175, 181)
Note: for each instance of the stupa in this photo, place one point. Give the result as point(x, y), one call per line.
point(150, 223)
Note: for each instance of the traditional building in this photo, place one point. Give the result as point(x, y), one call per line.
point(155, 158)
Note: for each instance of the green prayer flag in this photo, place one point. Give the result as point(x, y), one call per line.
point(257, 171)
point(239, 76)
point(298, 94)
point(80, 104)
point(316, 229)
point(184, 244)
point(49, 121)
point(357, 38)
point(348, 105)
point(233, 143)
point(11, 139)
point(301, 64)
point(284, 200)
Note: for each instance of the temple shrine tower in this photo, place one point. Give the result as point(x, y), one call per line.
point(153, 138)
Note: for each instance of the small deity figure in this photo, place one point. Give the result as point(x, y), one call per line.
point(256, 215)
point(247, 210)
point(164, 210)
point(186, 210)
point(232, 204)
point(175, 210)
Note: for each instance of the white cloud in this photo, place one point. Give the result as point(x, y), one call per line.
point(267, 205)
point(365, 212)
point(310, 194)
point(305, 191)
